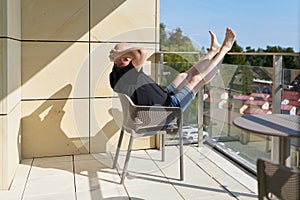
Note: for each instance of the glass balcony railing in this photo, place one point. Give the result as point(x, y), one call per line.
point(237, 90)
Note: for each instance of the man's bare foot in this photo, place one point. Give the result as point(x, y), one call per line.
point(209, 72)
point(214, 46)
point(228, 41)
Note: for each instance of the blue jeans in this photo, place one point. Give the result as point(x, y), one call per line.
point(180, 98)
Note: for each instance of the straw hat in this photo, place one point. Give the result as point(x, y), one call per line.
point(121, 49)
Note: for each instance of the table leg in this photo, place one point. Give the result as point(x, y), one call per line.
point(284, 150)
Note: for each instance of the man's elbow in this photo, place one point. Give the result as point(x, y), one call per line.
point(143, 52)
point(140, 59)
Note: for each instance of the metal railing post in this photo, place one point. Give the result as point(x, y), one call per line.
point(159, 59)
point(200, 113)
point(200, 117)
point(276, 103)
point(276, 90)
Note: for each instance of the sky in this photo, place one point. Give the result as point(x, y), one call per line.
point(257, 23)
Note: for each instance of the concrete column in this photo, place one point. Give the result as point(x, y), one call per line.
point(10, 92)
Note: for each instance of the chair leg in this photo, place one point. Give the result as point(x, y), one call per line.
point(127, 159)
point(118, 149)
point(163, 149)
point(181, 155)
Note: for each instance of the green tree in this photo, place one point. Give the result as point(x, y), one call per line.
point(176, 41)
point(247, 80)
point(233, 59)
point(289, 62)
point(163, 37)
point(252, 60)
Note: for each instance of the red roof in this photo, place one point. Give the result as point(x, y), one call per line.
point(286, 107)
point(294, 103)
point(241, 97)
point(256, 111)
point(260, 95)
point(255, 102)
point(291, 95)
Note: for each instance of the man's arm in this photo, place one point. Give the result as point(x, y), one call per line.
point(138, 57)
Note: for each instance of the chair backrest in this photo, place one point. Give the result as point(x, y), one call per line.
point(128, 109)
point(278, 180)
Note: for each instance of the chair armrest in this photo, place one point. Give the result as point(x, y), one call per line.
point(167, 108)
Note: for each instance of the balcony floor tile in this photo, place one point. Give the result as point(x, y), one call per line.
point(208, 175)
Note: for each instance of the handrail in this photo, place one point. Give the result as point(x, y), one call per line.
point(264, 53)
point(235, 53)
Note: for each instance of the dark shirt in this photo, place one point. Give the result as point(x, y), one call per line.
point(138, 86)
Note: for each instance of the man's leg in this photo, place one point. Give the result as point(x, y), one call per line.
point(183, 78)
point(182, 98)
point(207, 74)
point(184, 93)
point(210, 71)
point(206, 69)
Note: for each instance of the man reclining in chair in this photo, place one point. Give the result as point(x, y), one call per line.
point(127, 75)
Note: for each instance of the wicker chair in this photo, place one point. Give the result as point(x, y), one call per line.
point(276, 181)
point(141, 121)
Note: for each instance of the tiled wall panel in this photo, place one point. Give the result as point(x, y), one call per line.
point(58, 20)
point(100, 67)
point(3, 53)
point(10, 90)
point(106, 120)
point(65, 45)
point(10, 144)
point(120, 20)
point(55, 127)
point(10, 21)
point(49, 66)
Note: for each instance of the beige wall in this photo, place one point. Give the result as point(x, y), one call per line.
point(10, 89)
point(67, 103)
point(54, 94)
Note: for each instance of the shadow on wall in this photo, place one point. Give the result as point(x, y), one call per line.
point(50, 21)
point(47, 132)
point(102, 141)
point(42, 133)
